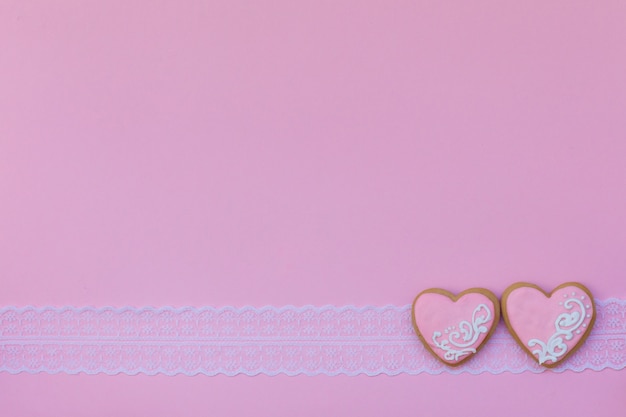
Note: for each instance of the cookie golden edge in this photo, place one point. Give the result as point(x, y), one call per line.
point(455, 297)
point(522, 284)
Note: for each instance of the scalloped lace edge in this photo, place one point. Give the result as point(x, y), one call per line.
point(307, 340)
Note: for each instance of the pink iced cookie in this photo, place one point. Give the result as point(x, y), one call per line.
point(455, 327)
point(549, 327)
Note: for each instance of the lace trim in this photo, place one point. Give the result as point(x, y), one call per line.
point(287, 340)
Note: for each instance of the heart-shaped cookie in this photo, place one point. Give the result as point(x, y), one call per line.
point(454, 327)
point(549, 327)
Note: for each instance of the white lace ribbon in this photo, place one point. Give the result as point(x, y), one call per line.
point(270, 340)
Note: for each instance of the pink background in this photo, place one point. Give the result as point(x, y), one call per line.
point(309, 152)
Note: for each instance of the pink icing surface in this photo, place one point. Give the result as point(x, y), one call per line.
point(435, 313)
point(532, 315)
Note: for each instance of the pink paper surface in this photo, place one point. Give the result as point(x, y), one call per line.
point(241, 153)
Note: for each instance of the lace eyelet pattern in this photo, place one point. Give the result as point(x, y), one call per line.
point(269, 340)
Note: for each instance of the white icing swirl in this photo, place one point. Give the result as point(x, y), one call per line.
point(460, 343)
point(566, 324)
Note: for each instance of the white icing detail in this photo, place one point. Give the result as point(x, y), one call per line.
point(467, 335)
point(565, 325)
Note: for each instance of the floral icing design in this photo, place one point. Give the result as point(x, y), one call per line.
point(566, 325)
point(461, 342)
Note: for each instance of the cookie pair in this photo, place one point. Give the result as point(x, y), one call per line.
point(548, 326)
